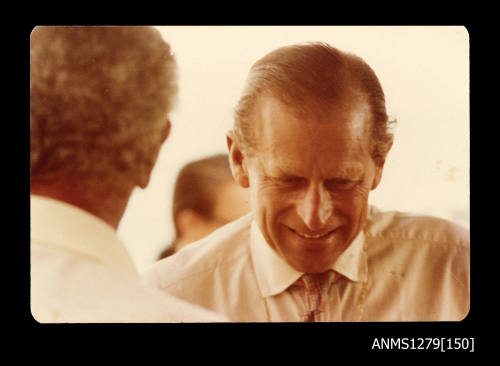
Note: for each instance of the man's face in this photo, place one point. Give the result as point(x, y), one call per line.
point(310, 179)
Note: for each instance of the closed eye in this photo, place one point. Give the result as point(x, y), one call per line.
point(290, 181)
point(340, 184)
point(293, 180)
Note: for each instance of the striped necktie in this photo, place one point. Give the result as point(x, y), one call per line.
point(316, 291)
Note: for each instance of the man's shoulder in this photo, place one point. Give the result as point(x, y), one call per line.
point(221, 249)
point(166, 308)
point(415, 227)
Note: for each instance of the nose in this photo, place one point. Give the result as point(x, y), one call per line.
point(316, 207)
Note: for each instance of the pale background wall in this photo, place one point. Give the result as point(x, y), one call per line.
point(425, 75)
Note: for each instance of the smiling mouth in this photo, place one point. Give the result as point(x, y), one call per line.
point(312, 236)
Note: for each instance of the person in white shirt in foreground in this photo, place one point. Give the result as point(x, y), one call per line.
point(100, 98)
point(310, 140)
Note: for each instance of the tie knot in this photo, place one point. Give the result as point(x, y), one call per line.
point(312, 281)
point(316, 291)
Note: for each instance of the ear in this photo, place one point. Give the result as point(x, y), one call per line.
point(237, 161)
point(379, 168)
point(165, 132)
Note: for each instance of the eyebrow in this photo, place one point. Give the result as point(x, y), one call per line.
point(351, 172)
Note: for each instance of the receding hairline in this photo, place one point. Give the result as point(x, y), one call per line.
point(307, 77)
point(320, 112)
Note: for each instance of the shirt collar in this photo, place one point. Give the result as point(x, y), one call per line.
point(66, 226)
point(275, 275)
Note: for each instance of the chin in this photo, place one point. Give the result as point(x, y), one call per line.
point(311, 267)
point(314, 257)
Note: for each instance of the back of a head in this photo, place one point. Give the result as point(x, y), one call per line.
point(99, 98)
point(196, 184)
point(197, 189)
point(308, 78)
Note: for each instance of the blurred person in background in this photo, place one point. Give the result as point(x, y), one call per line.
point(310, 140)
point(206, 197)
point(100, 99)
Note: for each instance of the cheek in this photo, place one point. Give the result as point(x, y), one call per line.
point(270, 200)
point(352, 204)
point(254, 191)
point(270, 209)
point(361, 193)
point(359, 207)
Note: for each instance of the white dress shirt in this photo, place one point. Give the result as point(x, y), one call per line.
point(401, 267)
point(81, 273)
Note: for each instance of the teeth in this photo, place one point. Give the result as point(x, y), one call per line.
point(307, 236)
point(312, 236)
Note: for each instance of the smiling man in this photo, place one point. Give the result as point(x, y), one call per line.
point(310, 140)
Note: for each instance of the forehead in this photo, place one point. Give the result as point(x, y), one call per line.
point(335, 138)
point(285, 166)
point(349, 115)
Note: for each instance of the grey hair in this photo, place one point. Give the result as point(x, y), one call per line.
point(308, 77)
point(99, 99)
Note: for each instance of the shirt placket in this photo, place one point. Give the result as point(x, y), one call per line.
point(317, 297)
